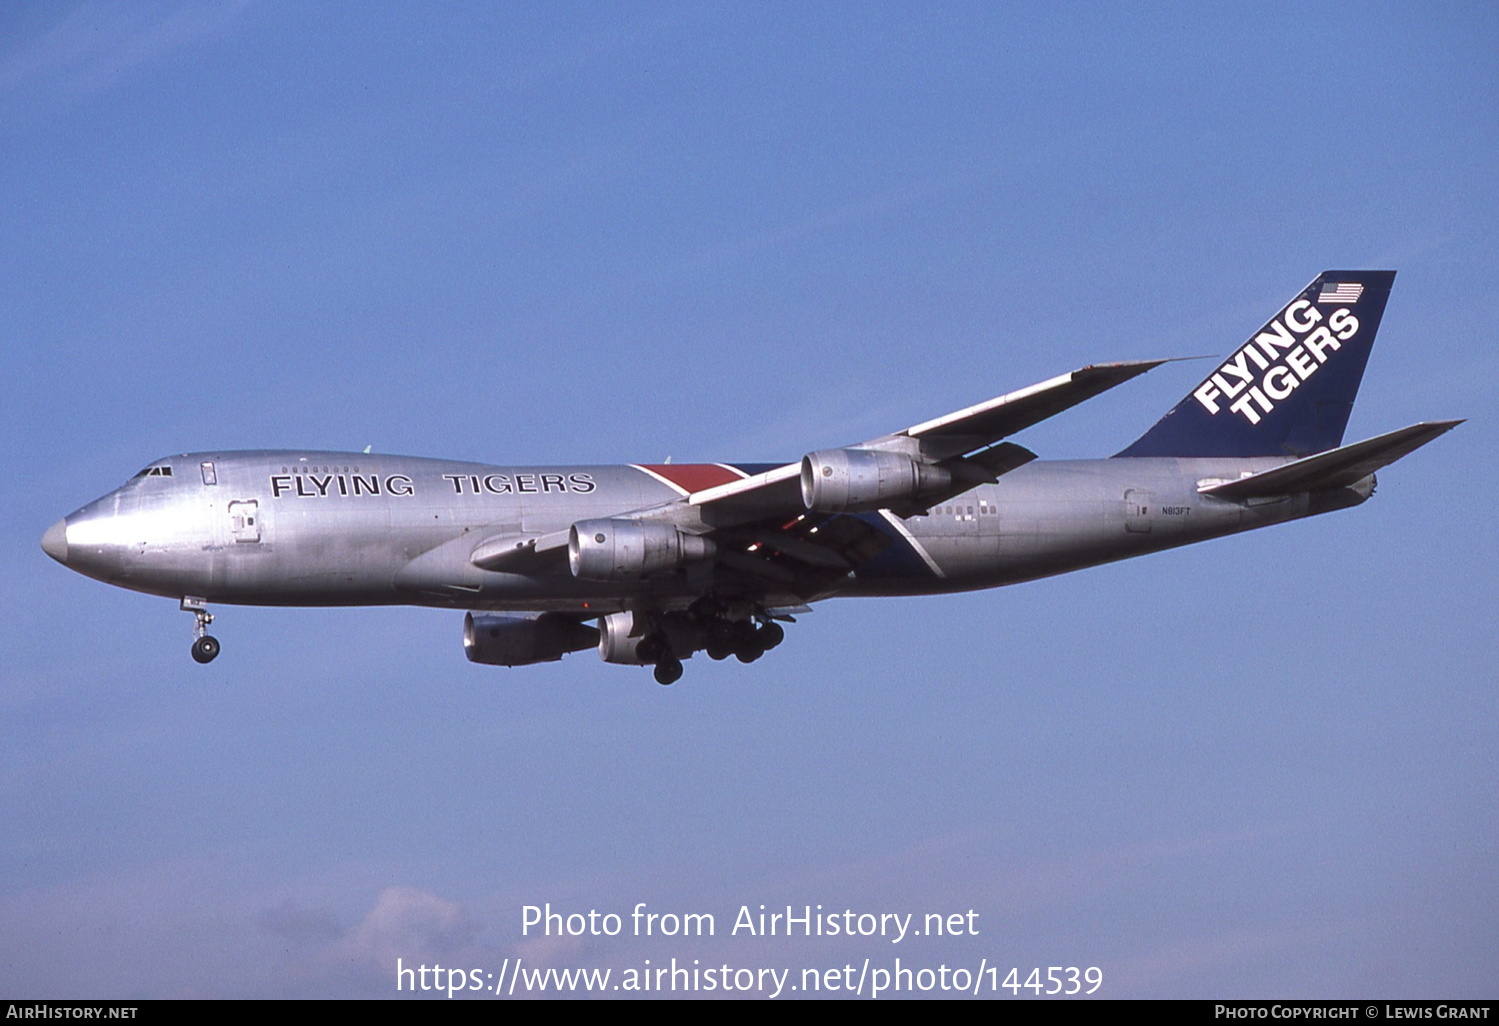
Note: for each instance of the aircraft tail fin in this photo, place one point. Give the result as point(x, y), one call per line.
point(1289, 389)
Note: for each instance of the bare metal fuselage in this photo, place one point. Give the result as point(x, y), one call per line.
point(321, 528)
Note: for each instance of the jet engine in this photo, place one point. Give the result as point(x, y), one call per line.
point(628, 550)
point(615, 643)
point(519, 640)
point(856, 480)
point(640, 640)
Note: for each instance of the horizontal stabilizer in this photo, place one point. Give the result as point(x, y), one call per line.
point(1336, 468)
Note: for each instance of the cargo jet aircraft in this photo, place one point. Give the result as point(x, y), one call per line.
point(652, 563)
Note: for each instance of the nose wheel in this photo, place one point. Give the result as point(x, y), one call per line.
point(206, 648)
point(205, 645)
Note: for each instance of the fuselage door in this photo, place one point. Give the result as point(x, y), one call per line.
point(1138, 504)
point(244, 520)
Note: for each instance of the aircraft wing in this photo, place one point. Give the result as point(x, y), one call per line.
point(763, 514)
point(1336, 468)
point(988, 422)
point(940, 441)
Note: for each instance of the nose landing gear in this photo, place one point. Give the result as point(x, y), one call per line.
point(205, 645)
point(206, 648)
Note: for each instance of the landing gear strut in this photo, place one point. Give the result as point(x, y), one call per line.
point(656, 648)
point(205, 645)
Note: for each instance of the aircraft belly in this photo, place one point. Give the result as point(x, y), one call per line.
point(330, 556)
point(1069, 515)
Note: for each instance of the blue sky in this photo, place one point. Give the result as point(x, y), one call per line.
point(1257, 767)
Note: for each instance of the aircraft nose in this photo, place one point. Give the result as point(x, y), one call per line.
point(55, 541)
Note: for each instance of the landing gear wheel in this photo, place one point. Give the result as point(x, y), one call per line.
point(206, 649)
point(668, 671)
point(749, 653)
point(771, 635)
point(721, 640)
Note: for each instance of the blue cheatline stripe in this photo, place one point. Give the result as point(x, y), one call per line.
point(899, 559)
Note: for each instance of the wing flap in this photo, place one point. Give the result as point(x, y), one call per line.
point(1336, 468)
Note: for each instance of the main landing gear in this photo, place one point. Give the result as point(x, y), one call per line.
point(720, 638)
point(668, 670)
point(656, 648)
point(205, 645)
point(742, 639)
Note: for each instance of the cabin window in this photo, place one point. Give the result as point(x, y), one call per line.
point(209, 476)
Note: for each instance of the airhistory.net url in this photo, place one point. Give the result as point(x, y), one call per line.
point(515, 977)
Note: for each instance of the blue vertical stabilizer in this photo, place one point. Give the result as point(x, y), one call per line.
point(1287, 391)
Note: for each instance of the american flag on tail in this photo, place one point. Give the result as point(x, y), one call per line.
point(1340, 292)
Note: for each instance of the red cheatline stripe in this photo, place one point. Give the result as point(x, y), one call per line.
point(693, 477)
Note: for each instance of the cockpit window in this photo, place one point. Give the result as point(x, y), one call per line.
point(154, 472)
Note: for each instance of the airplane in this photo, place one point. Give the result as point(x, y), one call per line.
point(652, 563)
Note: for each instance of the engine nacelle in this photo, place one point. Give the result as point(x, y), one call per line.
point(628, 550)
point(615, 643)
point(500, 639)
point(857, 480)
point(638, 639)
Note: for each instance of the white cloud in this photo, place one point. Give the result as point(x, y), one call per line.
point(408, 927)
point(405, 923)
